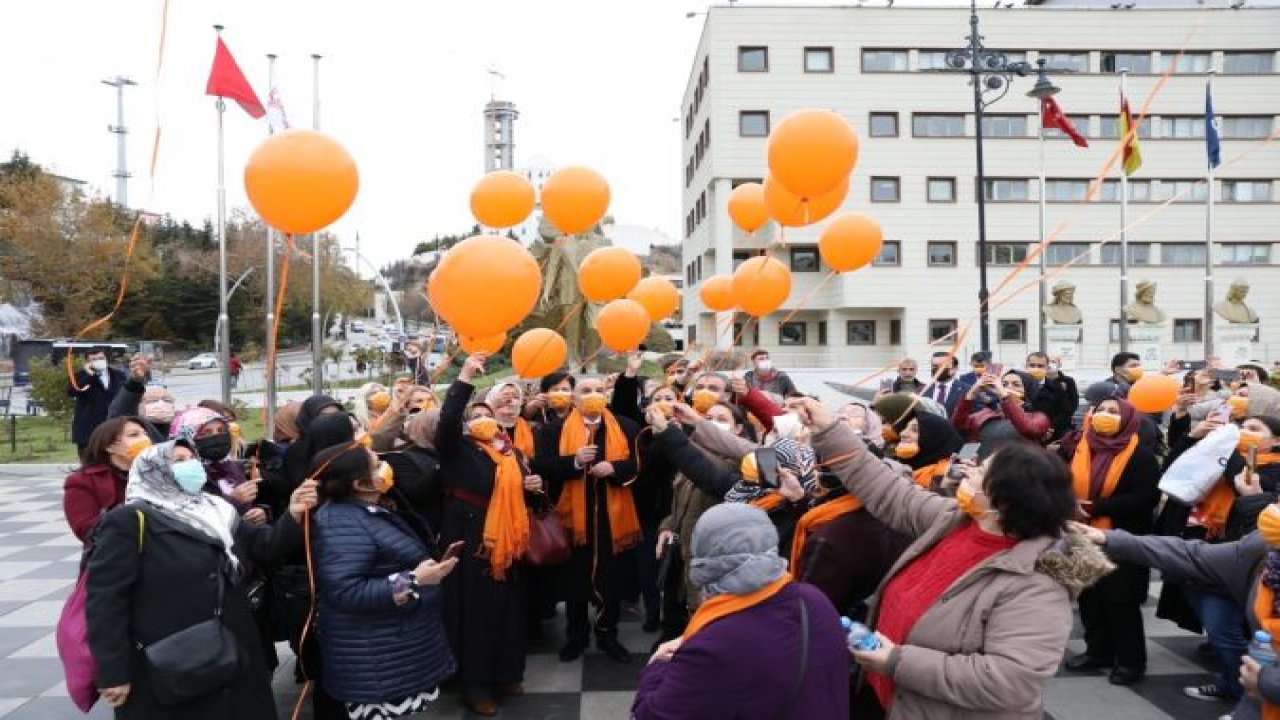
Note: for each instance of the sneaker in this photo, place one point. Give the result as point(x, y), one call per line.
point(1207, 693)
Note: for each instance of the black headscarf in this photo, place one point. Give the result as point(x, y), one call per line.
point(1030, 385)
point(311, 409)
point(322, 432)
point(938, 440)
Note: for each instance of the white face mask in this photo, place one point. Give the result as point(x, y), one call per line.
point(727, 427)
point(98, 365)
point(764, 365)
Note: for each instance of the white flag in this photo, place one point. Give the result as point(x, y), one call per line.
point(276, 118)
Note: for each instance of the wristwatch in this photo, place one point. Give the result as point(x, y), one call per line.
point(404, 587)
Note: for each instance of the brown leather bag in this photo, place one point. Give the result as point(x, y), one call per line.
point(548, 541)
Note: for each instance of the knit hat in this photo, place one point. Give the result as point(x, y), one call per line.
point(735, 551)
point(896, 409)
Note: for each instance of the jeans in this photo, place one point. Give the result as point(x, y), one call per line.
point(1224, 624)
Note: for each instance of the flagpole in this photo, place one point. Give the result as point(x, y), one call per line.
point(1124, 214)
point(272, 237)
point(1208, 225)
point(1044, 332)
point(224, 322)
point(317, 332)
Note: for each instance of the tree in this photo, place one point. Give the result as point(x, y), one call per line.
point(49, 388)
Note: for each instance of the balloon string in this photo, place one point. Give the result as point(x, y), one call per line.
point(123, 288)
point(279, 309)
point(582, 367)
point(569, 314)
point(804, 301)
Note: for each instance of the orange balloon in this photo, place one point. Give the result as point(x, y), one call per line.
point(850, 241)
point(485, 285)
point(658, 296)
point(794, 211)
point(811, 151)
point(608, 273)
point(1154, 393)
point(746, 207)
point(300, 181)
point(488, 345)
point(622, 325)
point(502, 199)
point(538, 352)
point(761, 285)
point(717, 293)
point(574, 199)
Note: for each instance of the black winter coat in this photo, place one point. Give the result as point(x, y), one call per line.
point(92, 402)
point(653, 486)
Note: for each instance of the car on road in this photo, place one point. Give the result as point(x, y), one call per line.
point(203, 361)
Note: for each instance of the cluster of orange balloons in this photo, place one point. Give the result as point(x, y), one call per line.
point(300, 181)
point(574, 199)
point(611, 275)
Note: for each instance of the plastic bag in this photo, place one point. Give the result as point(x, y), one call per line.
point(1195, 472)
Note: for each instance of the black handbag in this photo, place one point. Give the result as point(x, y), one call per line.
point(193, 662)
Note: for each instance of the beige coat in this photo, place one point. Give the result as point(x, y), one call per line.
point(988, 646)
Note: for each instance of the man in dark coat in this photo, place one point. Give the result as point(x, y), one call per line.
point(944, 387)
point(591, 482)
point(93, 388)
point(1059, 397)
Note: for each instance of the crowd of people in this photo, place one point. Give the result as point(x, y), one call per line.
point(409, 542)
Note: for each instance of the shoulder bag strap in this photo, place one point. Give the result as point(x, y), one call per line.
point(142, 529)
point(794, 695)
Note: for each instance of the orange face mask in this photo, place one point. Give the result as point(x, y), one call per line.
point(594, 404)
point(1104, 424)
point(136, 448)
point(666, 408)
point(704, 399)
point(1239, 406)
point(1269, 525)
point(560, 399)
point(483, 428)
point(379, 401)
point(906, 451)
point(1248, 441)
point(386, 478)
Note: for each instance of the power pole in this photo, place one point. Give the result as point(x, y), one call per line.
point(120, 131)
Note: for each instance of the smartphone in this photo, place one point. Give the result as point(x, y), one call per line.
point(453, 551)
point(1193, 364)
point(969, 452)
point(767, 463)
point(1228, 375)
point(1251, 461)
point(886, 385)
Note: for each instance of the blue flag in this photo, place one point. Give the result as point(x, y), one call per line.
point(1212, 143)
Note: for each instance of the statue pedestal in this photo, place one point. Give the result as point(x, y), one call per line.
point(1144, 341)
point(1064, 343)
point(1233, 342)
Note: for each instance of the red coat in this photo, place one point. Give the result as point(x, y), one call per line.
point(90, 492)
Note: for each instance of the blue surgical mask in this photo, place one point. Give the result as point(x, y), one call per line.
point(190, 476)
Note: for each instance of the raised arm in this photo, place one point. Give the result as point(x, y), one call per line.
point(710, 476)
point(1222, 566)
point(449, 432)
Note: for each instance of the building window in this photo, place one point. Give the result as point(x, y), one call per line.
point(1065, 190)
point(884, 189)
point(1246, 127)
point(1187, 330)
point(1139, 191)
point(1139, 254)
point(933, 60)
point(741, 256)
point(1079, 122)
point(740, 338)
point(1246, 191)
point(1011, 331)
point(883, 124)
point(1006, 253)
point(937, 125)
point(1062, 253)
point(890, 254)
point(895, 332)
point(1244, 254)
point(860, 332)
point(1073, 61)
point(1182, 127)
point(819, 60)
point(1008, 190)
point(884, 61)
point(753, 123)
point(753, 59)
point(804, 259)
point(822, 332)
point(1184, 254)
point(1009, 126)
point(1248, 63)
point(1109, 127)
point(1184, 63)
point(942, 253)
point(1114, 331)
point(940, 329)
point(1134, 62)
point(1180, 191)
point(942, 190)
point(792, 333)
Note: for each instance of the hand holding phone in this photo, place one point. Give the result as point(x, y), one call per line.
point(454, 550)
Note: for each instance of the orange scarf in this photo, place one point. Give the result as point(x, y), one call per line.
point(624, 523)
point(816, 518)
point(725, 604)
point(1263, 606)
point(768, 502)
point(925, 475)
point(1080, 472)
point(506, 522)
point(1213, 510)
point(1268, 458)
point(522, 437)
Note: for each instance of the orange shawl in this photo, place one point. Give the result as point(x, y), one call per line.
point(925, 475)
point(624, 523)
point(726, 604)
point(1263, 605)
point(768, 502)
point(506, 522)
point(816, 518)
point(1213, 510)
point(1080, 471)
point(522, 437)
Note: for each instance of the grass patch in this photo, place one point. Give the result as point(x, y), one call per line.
point(35, 439)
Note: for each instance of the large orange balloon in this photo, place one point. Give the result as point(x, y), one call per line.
point(761, 285)
point(1154, 393)
point(502, 199)
point(300, 181)
point(746, 207)
point(488, 345)
point(622, 325)
point(658, 296)
point(608, 273)
point(485, 285)
point(850, 241)
point(794, 211)
point(538, 352)
point(717, 293)
point(574, 199)
point(811, 151)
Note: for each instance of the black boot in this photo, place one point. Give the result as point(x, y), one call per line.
point(609, 645)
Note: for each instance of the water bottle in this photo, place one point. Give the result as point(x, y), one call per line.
point(860, 637)
point(1261, 650)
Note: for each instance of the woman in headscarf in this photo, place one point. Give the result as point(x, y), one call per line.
point(759, 645)
point(895, 411)
point(1115, 480)
point(1015, 391)
point(210, 434)
point(299, 454)
point(417, 468)
point(284, 426)
point(372, 400)
point(159, 564)
point(865, 422)
point(926, 446)
point(507, 400)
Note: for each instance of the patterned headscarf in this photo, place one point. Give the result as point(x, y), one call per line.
point(793, 456)
point(151, 482)
point(188, 422)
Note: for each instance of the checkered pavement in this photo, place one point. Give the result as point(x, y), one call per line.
point(39, 559)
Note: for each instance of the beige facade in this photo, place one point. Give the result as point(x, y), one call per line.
point(924, 181)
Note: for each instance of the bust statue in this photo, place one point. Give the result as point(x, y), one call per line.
point(1233, 309)
point(1143, 308)
point(1063, 310)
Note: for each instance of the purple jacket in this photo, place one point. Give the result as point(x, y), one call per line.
point(743, 666)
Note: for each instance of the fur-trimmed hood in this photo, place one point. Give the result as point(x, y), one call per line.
point(1075, 563)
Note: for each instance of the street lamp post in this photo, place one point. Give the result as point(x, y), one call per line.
point(990, 73)
point(1043, 90)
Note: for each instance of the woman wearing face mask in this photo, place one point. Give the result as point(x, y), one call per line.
point(372, 400)
point(379, 596)
point(161, 563)
point(926, 446)
point(99, 484)
point(210, 433)
point(486, 600)
point(1259, 487)
point(554, 402)
point(1115, 480)
point(1016, 391)
point(507, 400)
point(417, 468)
point(997, 552)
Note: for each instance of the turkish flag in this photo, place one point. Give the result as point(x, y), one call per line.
point(226, 80)
point(1051, 116)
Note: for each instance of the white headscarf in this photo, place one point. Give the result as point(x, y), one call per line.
point(151, 482)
